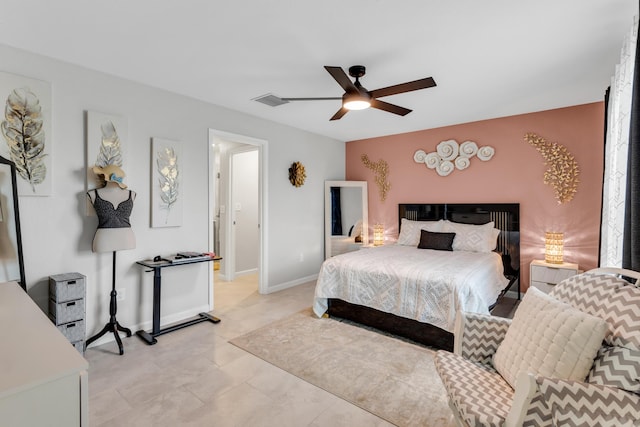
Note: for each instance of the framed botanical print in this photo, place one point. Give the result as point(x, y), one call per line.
point(25, 128)
point(166, 181)
point(107, 136)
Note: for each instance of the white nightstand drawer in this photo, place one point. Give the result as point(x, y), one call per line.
point(550, 275)
point(544, 287)
point(545, 276)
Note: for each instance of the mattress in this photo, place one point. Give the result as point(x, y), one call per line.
point(421, 284)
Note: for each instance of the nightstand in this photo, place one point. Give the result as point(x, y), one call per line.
point(545, 276)
point(371, 245)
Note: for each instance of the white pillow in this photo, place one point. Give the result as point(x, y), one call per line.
point(550, 338)
point(410, 230)
point(471, 237)
point(494, 238)
point(357, 229)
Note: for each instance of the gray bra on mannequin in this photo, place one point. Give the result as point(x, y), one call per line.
point(110, 216)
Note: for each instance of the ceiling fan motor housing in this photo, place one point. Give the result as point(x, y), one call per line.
point(357, 71)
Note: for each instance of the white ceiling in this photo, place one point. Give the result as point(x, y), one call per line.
point(490, 58)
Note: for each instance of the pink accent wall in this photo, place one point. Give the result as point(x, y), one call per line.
point(514, 175)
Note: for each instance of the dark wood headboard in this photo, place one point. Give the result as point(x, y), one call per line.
point(506, 217)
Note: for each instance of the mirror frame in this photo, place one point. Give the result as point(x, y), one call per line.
point(327, 212)
point(16, 213)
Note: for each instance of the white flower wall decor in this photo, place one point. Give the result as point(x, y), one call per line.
point(450, 155)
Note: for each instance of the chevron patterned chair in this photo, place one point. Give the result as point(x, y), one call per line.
point(524, 371)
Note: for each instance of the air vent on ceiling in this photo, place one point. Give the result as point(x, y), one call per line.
point(270, 100)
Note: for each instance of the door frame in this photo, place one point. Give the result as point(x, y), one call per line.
point(218, 136)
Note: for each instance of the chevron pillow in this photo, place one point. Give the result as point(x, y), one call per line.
point(608, 297)
point(617, 367)
point(577, 404)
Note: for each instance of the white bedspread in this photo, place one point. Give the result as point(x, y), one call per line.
point(420, 284)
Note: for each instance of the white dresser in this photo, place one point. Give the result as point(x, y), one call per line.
point(43, 379)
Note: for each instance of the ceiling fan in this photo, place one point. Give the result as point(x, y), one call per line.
point(356, 97)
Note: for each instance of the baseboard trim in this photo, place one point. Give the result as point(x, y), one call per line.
point(246, 272)
point(291, 284)
point(147, 326)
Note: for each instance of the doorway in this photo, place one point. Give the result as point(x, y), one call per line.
point(237, 177)
point(243, 218)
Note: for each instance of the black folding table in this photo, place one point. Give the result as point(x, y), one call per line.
point(157, 266)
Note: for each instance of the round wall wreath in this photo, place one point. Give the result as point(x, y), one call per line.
point(297, 174)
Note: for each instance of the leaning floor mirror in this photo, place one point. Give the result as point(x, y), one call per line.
point(346, 225)
point(11, 260)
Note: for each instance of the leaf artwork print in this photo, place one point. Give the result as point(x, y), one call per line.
point(167, 164)
point(23, 131)
point(110, 152)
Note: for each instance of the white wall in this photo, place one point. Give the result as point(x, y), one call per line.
point(57, 235)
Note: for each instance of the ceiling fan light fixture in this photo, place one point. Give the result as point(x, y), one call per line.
point(356, 101)
point(355, 96)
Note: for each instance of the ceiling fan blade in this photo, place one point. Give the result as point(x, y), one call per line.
point(341, 77)
point(311, 99)
point(391, 108)
point(338, 115)
point(403, 87)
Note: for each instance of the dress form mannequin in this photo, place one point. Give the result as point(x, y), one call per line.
point(113, 239)
point(113, 204)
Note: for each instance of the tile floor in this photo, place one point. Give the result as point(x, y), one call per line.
point(194, 377)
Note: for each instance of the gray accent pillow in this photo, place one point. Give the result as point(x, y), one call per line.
point(437, 241)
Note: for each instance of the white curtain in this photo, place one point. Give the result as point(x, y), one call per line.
point(616, 149)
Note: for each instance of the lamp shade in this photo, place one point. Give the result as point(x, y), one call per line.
point(378, 235)
point(356, 101)
point(553, 247)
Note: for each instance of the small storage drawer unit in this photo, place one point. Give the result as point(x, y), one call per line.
point(68, 311)
point(74, 331)
point(545, 276)
point(66, 287)
point(67, 306)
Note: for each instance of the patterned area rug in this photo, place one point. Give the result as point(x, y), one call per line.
point(391, 378)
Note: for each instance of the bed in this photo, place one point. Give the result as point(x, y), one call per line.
point(415, 292)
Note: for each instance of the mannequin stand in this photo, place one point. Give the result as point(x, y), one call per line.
point(113, 325)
